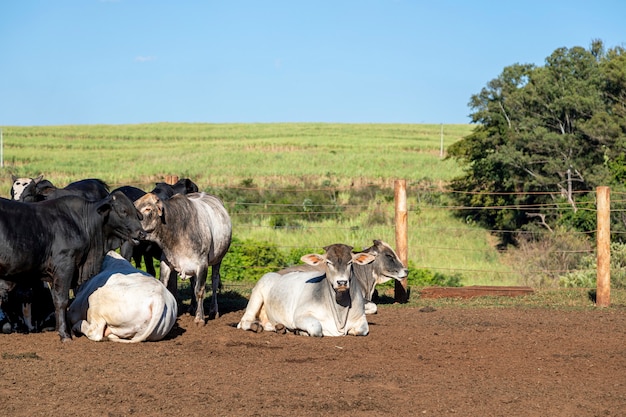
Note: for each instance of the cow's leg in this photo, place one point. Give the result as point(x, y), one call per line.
point(198, 292)
point(126, 250)
point(5, 323)
point(359, 327)
point(265, 321)
point(27, 315)
point(370, 308)
point(308, 326)
point(149, 261)
point(216, 283)
point(169, 278)
point(60, 298)
point(250, 318)
point(193, 303)
point(94, 330)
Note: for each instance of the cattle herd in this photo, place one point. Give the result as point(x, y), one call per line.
point(80, 240)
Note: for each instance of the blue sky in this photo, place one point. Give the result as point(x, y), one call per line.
point(366, 61)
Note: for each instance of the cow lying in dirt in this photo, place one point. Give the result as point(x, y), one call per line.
point(123, 304)
point(312, 303)
point(385, 267)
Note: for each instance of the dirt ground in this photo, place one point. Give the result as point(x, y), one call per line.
point(451, 361)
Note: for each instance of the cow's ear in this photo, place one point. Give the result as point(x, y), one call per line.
point(39, 178)
point(105, 204)
point(313, 259)
point(13, 178)
point(160, 208)
point(363, 258)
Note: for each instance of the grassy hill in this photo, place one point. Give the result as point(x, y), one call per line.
point(344, 158)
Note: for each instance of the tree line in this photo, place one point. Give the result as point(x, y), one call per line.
point(546, 136)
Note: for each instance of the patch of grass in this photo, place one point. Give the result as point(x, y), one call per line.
point(563, 299)
point(274, 154)
point(234, 297)
point(21, 356)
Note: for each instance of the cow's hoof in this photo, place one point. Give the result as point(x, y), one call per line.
point(280, 329)
point(256, 327)
point(6, 327)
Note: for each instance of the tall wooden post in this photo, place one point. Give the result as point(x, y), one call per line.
point(603, 241)
point(400, 290)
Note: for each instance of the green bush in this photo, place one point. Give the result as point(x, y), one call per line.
point(542, 258)
point(428, 278)
point(586, 276)
point(248, 260)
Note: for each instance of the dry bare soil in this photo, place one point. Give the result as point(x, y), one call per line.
point(451, 361)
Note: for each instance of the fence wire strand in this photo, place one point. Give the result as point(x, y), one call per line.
point(243, 212)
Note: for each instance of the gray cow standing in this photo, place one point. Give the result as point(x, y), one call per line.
point(194, 231)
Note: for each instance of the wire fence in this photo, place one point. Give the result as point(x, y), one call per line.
point(436, 241)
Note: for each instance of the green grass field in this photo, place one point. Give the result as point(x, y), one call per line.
point(340, 156)
point(223, 155)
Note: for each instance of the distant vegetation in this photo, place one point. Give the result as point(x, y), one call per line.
point(223, 155)
point(547, 136)
point(509, 201)
point(291, 188)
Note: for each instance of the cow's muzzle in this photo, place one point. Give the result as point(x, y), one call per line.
point(342, 285)
point(136, 238)
point(141, 235)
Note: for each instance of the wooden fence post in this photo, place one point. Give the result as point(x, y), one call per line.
point(603, 242)
point(400, 290)
point(171, 179)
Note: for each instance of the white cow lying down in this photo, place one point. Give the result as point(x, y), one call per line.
point(122, 304)
point(311, 303)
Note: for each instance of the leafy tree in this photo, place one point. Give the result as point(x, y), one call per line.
point(544, 136)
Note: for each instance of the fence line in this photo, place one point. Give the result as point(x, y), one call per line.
point(309, 210)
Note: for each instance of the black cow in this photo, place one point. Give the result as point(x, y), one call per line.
point(38, 189)
point(35, 190)
point(183, 186)
point(194, 231)
point(62, 241)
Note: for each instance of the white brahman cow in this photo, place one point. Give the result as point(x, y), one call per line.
point(386, 266)
point(311, 303)
point(123, 304)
